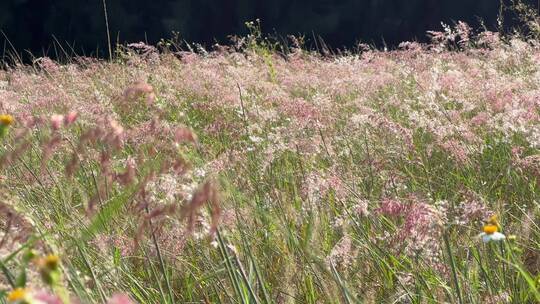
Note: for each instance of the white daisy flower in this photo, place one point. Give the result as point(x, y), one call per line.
point(491, 234)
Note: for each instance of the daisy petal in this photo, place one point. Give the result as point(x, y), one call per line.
point(497, 236)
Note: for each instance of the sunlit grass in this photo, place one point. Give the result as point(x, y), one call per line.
point(247, 177)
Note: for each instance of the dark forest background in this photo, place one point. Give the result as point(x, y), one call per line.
point(31, 24)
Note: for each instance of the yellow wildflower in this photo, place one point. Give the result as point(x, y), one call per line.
point(490, 229)
point(6, 119)
point(49, 269)
point(17, 295)
point(51, 261)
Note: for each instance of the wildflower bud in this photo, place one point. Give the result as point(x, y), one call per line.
point(50, 278)
point(49, 269)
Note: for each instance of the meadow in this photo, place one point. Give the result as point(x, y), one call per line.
point(252, 173)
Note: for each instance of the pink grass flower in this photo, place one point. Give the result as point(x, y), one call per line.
point(47, 298)
point(56, 121)
point(183, 134)
point(120, 298)
point(70, 118)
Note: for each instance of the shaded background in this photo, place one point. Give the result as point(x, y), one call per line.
point(31, 24)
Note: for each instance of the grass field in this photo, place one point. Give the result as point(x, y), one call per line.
point(254, 176)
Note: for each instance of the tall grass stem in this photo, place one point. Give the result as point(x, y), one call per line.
point(108, 30)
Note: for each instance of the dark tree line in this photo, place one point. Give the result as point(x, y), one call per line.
point(31, 24)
